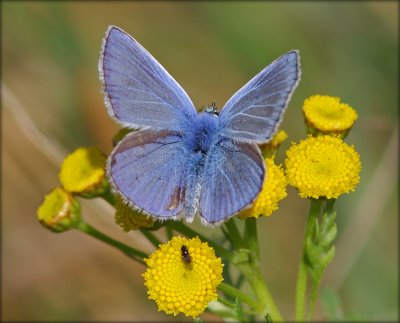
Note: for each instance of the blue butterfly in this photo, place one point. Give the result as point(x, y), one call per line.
point(181, 162)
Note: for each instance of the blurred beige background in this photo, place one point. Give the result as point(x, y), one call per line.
point(51, 104)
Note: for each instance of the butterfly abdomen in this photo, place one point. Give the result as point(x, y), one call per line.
point(197, 143)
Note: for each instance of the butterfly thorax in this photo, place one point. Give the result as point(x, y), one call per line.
point(203, 133)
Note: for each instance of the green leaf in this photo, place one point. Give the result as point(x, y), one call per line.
point(241, 256)
point(226, 274)
point(238, 310)
point(328, 229)
point(319, 251)
point(239, 281)
point(327, 258)
point(318, 246)
point(331, 303)
point(268, 318)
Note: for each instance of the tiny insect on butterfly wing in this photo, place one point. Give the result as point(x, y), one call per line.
point(139, 92)
point(254, 113)
point(147, 168)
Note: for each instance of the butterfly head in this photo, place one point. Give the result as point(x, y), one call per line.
point(212, 109)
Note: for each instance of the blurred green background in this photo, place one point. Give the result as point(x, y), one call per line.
point(51, 104)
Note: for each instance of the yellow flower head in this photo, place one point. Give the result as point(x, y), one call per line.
point(271, 147)
point(183, 280)
point(59, 211)
point(130, 219)
point(83, 171)
point(278, 138)
point(323, 166)
point(328, 115)
point(273, 190)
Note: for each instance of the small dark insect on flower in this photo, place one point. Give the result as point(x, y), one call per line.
point(185, 255)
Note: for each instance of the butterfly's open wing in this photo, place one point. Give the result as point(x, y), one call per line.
point(253, 114)
point(139, 92)
point(146, 168)
point(233, 177)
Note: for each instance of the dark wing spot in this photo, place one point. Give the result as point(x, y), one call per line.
point(175, 199)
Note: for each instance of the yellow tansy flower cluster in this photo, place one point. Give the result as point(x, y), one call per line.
point(183, 284)
point(327, 114)
point(270, 148)
point(278, 138)
point(273, 190)
point(130, 219)
point(323, 166)
point(83, 171)
point(59, 211)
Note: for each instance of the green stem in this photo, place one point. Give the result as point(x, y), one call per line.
point(232, 306)
point(260, 289)
point(301, 287)
point(151, 237)
point(328, 208)
point(313, 297)
point(234, 234)
point(250, 236)
point(224, 313)
point(239, 281)
point(109, 197)
point(227, 274)
point(127, 250)
point(169, 232)
point(232, 291)
point(226, 302)
point(251, 270)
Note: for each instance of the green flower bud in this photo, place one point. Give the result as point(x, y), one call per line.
point(269, 149)
point(59, 211)
point(129, 219)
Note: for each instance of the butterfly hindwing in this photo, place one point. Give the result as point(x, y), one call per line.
point(146, 168)
point(139, 92)
point(254, 113)
point(233, 176)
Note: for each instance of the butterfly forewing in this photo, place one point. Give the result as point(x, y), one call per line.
point(254, 113)
point(139, 92)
